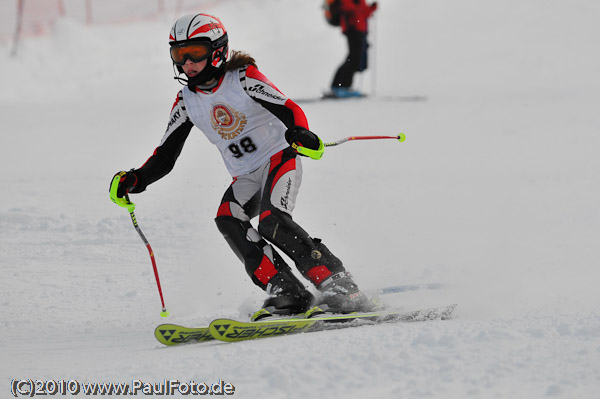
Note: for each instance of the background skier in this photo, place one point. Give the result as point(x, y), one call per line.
point(353, 16)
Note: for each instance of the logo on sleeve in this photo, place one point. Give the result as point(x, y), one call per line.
point(260, 90)
point(174, 117)
point(227, 122)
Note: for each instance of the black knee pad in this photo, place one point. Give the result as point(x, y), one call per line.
point(279, 228)
point(268, 225)
point(235, 232)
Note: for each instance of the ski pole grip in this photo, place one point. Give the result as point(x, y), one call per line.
point(121, 201)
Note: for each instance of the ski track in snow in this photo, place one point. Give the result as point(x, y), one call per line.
point(494, 194)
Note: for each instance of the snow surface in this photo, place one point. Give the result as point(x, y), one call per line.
point(494, 194)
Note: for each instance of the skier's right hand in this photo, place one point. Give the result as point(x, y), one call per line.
point(121, 183)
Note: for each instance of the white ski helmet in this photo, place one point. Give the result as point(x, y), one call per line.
point(197, 37)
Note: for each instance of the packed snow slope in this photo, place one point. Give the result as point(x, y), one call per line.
point(494, 194)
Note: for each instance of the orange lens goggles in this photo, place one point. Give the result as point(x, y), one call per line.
point(195, 52)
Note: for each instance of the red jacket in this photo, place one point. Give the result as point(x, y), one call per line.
point(355, 14)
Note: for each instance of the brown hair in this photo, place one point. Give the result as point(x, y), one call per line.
point(239, 59)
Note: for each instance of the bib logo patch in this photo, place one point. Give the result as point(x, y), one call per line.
point(227, 122)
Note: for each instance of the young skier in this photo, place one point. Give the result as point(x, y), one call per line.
point(260, 134)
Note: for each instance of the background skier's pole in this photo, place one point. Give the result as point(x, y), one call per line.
point(18, 28)
point(373, 57)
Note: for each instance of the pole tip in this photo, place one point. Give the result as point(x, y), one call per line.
point(164, 313)
point(401, 137)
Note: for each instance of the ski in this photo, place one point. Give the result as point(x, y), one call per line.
point(331, 98)
point(229, 330)
point(172, 334)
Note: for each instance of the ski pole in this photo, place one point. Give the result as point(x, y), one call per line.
point(130, 207)
point(373, 57)
point(400, 137)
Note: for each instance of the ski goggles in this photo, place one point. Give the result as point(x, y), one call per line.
point(195, 52)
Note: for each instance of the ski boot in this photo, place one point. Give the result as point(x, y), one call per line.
point(341, 295)
point(286, 297)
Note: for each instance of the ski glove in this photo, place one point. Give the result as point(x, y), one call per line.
point(122, 182)
point(305, 142)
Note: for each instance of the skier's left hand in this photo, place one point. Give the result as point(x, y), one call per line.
point(305, 142)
